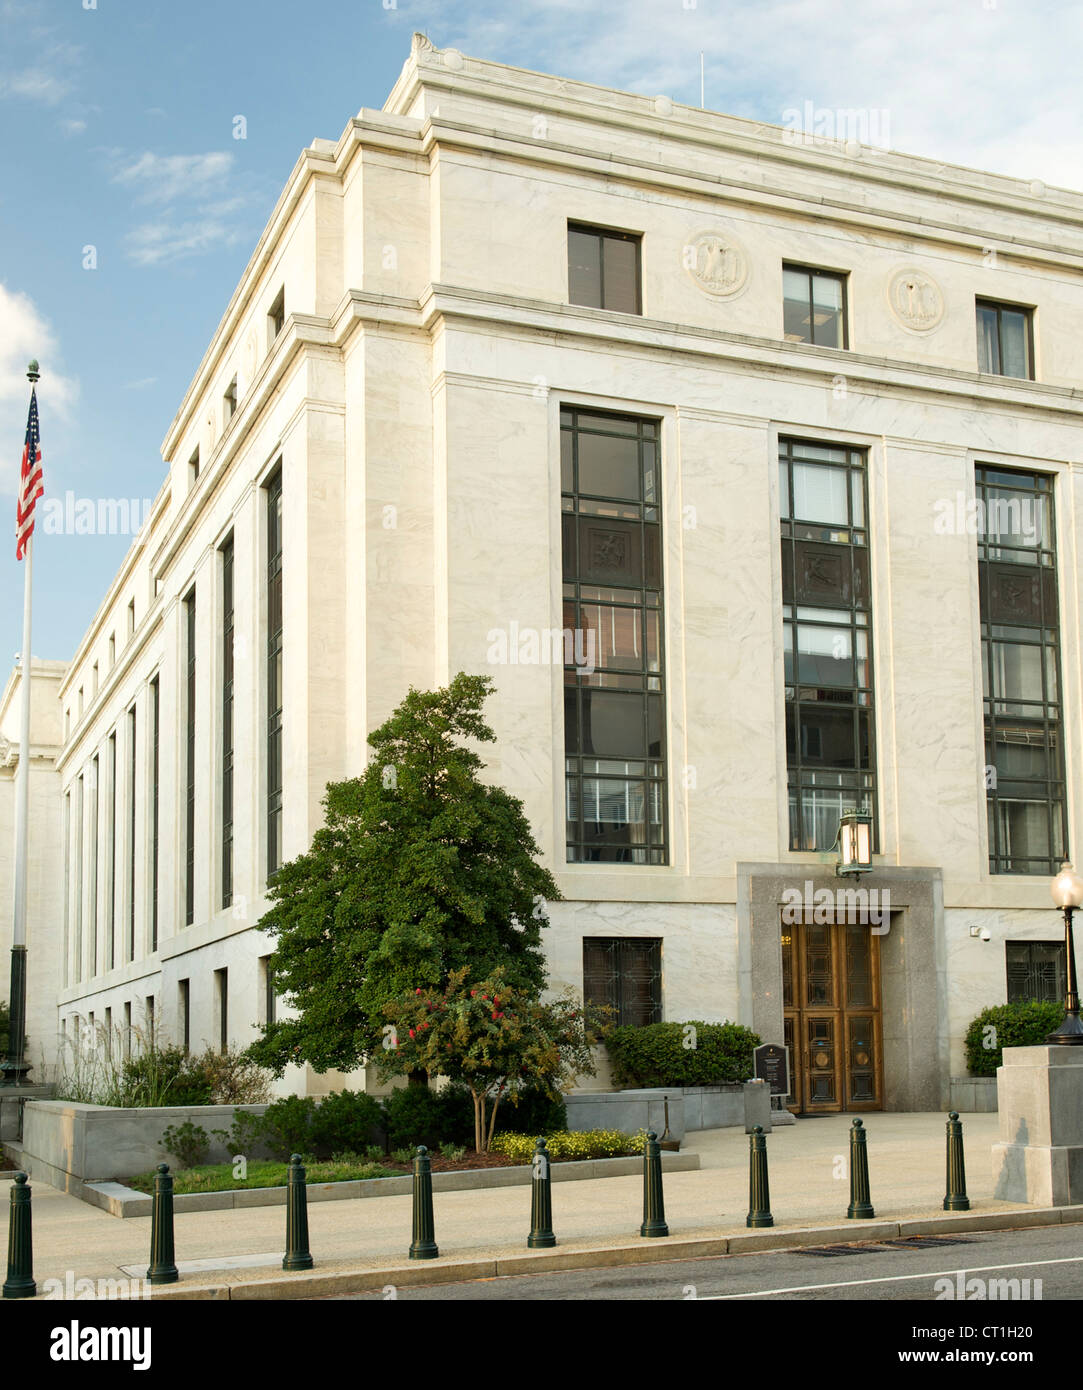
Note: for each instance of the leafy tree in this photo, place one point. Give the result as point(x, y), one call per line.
point(420, 870)
point(491, 1035)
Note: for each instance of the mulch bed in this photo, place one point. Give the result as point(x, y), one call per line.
point(473, 1159)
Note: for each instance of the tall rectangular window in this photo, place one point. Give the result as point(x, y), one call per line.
point(111, 911)
point(154, 823)
point(614, 700)
point(68, 860)
point(131, 833)
point(184, 1008)
point(190, 763)
point(276, 316)
point(221, 991)
point(814, 306)
point(625, 975)
point(149, 1010)
point(603, 269)
point(80, 802)
point(1005, 339)
point(1020, 632)
point(267, 979)
point(274, 674)
point(827, 639)
point(95, 804)
point(227, 723)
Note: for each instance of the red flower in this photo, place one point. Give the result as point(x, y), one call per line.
point(424, 1025)
point(417, 991)
point(411, 1032)
point(496, 1015)
point(472, 993)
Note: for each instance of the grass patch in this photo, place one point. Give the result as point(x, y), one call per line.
point(218, 1177)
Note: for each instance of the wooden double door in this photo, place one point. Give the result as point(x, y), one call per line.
point(831, 1009)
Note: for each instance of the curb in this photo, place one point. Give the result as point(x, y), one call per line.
point(321, 1284)
point(121, 1201)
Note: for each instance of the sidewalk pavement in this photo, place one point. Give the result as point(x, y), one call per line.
point(359, 1244)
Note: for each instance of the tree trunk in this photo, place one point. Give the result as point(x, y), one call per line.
point(492, 1122)
point(478, 1120)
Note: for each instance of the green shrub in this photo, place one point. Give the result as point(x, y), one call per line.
point(422, 1115)
point(188, 1143)
point(161, 1076)
point(531, 1111)
point(341, 1122)
point(681, 1054)
point(1008, 1025)
point(346, 1120)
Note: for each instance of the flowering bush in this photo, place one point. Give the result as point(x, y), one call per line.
point(497, 1039)
point(568, 1145)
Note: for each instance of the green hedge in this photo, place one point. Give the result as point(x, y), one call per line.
point(681, 1054)
point(1013, 1025)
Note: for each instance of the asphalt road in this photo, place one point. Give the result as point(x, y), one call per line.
point(898, 1271)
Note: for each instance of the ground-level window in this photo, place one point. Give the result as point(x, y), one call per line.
point(1035, 970)
point(624, 974)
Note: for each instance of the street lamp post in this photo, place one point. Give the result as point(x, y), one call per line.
point(1067, 890)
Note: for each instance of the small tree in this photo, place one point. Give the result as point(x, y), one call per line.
point(491, 1035)
point(420, 870)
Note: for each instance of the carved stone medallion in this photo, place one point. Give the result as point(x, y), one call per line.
point(717, 263)
point(916, 300)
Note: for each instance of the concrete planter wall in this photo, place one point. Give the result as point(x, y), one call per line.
point(68, 1144)
point(690, 1108)
point(976, 1094)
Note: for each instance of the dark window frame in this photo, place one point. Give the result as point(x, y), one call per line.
point(1033, 723)
point(856, 784)
point(607, 234)
point(636, 596)
point(190, 760)
point(604, 981)
point(275, 656)
point(226, 770)
point(1055, 956)
point(843, 277)
point(998, 306)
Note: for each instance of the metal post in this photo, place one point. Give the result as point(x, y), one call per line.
point(424, 1245)
point(654, 1213)
point(162, 1269)
point(20, 1280)
point(541, 1202)
point(759, 1195)
point(297, 1254)
point(860, 1207)
point(956, 1198)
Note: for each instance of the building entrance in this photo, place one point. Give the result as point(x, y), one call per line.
point(831, 1011)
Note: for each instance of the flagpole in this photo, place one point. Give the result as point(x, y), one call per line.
point(15, 1068)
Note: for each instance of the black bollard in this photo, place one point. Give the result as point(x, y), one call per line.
point(956, 1198)
point(654, 1212)
point(297, 1254)
point(20, 1280)
point(162, 1269)
point(759, 1195)
point(860, 1207)
point(424, 1245)
point(541, 1202)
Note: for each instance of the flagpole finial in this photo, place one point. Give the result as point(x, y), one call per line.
point(32, 373)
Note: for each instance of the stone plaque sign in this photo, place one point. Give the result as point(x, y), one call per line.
point(773, 1066)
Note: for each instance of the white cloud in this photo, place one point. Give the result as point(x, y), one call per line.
point(155, 243)
point(163, 178)
point(35, 84)
point(25, 334)
point(72, 126)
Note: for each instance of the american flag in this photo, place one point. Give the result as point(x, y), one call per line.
point(31, 486)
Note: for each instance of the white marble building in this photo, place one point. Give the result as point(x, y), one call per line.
point(496, 253)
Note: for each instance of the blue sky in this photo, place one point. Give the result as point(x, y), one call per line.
point(118, 116)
